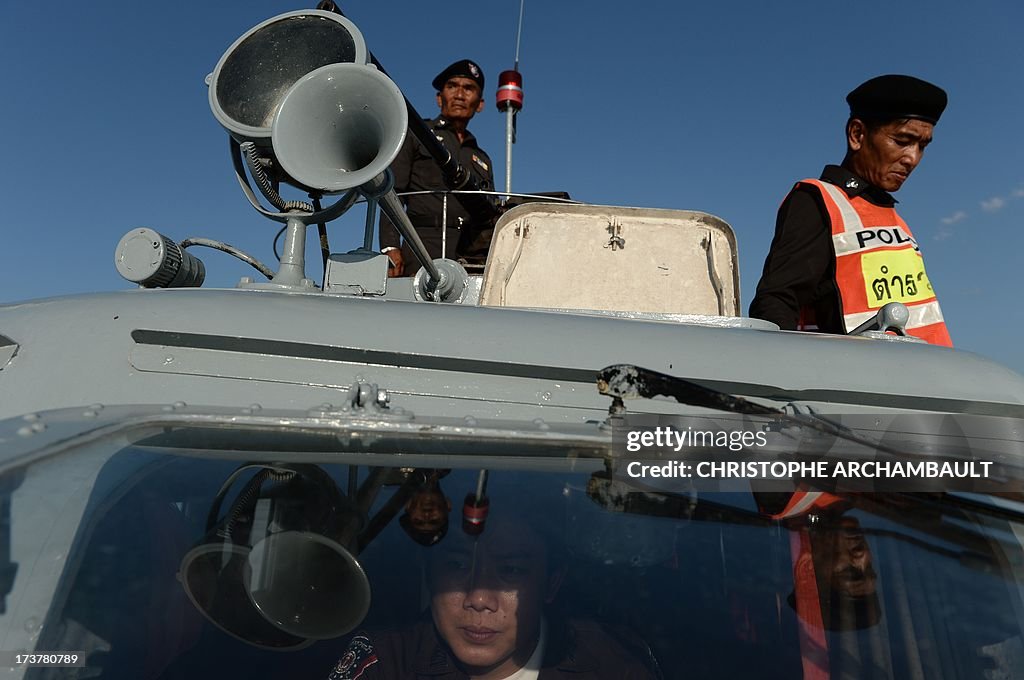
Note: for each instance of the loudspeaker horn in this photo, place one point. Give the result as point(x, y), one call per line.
point(339, 127)
point(259, 68)
point(307, 585)
point(280, 569)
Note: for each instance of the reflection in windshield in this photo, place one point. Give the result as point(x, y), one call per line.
point(278, 568)
point(571, 571)
point(425, 519)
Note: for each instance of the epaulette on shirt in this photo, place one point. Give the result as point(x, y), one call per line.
point(358, 656)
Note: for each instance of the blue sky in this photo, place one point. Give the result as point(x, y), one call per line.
point(717, 107)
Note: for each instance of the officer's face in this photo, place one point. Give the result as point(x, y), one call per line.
point(852, 571)
point(460, 99)
point(487, 596)
point(428, 510)
point(886, 155)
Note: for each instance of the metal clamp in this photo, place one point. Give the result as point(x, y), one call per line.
point(891, 318)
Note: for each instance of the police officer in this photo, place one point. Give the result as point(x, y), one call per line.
point(840, 250)
point(459, 97)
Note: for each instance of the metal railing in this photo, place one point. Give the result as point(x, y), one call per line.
point(445, 193)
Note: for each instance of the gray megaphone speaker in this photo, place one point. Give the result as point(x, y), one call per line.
point(302, 583)
point(339, 127)
point(279, 570)
point(255, 73)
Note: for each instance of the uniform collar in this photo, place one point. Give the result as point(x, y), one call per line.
point(854, 186)
point(441, 123)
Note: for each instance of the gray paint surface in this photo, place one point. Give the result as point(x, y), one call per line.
point(288, 350)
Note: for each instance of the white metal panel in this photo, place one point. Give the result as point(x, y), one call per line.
point(609, 258)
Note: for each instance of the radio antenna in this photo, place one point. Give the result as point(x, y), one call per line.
point(510, 100)
point(519, 33)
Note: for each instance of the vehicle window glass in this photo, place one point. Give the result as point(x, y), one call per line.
point(182, 566)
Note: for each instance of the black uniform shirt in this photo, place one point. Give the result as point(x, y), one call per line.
point(801, 266)
point(415, 170)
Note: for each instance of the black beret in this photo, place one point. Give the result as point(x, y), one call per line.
point(463, 68)
point(893, 96)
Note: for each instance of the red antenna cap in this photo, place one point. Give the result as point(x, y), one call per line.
point(474, 514)
point(510, 90)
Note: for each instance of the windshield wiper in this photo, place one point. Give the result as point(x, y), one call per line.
point(625, 381)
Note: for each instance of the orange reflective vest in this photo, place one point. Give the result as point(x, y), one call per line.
point(877, 262)
point(810, 623)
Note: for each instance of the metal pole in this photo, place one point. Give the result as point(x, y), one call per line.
point(371, 220)
point(292, 271)
point(510, 121)
point(392, 207)
point(444, 224)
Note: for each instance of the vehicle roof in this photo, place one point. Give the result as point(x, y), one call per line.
point(291, 350)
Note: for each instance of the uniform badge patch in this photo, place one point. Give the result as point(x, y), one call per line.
point(479, 162)
point(358, 656)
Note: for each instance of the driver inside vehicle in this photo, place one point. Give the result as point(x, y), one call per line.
point(492, 617)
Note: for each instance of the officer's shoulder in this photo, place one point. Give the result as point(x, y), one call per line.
point(804, 194)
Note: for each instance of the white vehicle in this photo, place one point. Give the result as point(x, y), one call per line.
point(223, 483)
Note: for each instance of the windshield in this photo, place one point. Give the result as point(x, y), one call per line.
point(156, 563)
